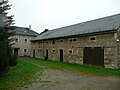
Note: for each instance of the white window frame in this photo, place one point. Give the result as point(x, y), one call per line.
point(52, 50)
point(61, 40)
point(72, 40)
point(69, 51)
point(92, 37)
point(17, 40)
point(25, 41)
point(26, 50)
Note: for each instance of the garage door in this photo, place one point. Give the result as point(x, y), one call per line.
point(93, 56)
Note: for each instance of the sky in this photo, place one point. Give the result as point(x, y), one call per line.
point(52, 14)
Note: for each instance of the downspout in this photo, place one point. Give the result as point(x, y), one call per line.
point(117, 40)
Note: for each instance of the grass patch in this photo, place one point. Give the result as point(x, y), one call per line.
point(18, 76)
point(76, 67)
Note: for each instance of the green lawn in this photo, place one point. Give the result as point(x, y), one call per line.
point(18, 75)
point(79, 68)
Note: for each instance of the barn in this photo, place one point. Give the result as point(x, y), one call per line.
point(95, 42)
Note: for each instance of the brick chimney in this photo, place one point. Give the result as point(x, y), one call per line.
point(29, 27)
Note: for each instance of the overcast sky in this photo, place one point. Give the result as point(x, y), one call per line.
point(51, 14)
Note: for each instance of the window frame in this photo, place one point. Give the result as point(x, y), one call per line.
point(25, 40)
point(61, 40)
point(17, 40)
point(70, 50)
point(90, 38)
point(71, 40)
point(53, 50)
point(25, 50)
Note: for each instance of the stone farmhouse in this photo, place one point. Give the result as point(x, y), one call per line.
point(22, 46)
point(95, 42)
point(22, 40)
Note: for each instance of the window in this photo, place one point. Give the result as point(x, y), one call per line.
point(25, 50)
point(92, 38)
point(53, 51)
point(61, 40)
point(73, 40)
point(70, 40)
point(16, 40)
point(26, 40)
point(70, 51)
point(53, 42)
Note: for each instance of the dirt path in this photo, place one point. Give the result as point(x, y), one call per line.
point(55, 79)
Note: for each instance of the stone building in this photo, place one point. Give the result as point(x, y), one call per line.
point(95, 42)
point(22, 46)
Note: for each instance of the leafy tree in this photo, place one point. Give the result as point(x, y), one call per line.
point(7, 59)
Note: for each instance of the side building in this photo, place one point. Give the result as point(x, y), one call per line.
point(95, 42)
point(22, 40)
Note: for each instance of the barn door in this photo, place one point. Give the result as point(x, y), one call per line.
point(93, 56)
point(61, 55)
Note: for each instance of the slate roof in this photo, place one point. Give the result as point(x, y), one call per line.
point(19, 30)
point(25, 31)
point(98, 25)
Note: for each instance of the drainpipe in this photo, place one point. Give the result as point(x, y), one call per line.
point(116, 49)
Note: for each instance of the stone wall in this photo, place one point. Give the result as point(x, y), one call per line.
point(118, 48)
point(106, 41)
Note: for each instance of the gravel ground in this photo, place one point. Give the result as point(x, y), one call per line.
point(55, 79)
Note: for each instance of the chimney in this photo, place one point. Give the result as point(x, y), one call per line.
point(29, 27)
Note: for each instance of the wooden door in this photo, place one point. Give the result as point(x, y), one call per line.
point(93, 56)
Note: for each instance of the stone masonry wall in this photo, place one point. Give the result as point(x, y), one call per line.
point(118, 51)
point(107, 41)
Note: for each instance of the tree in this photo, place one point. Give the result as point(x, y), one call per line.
point(7, 59)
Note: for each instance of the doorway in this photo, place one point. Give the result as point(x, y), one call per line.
point(61, 55)
point(46, 56)
point(16, 51)
point(33, 53)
